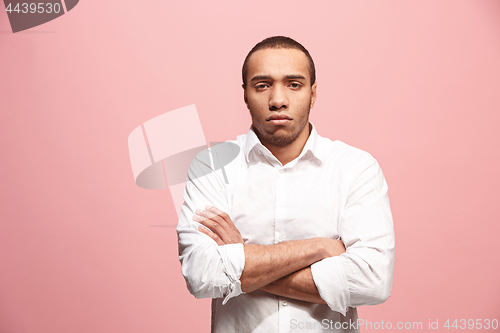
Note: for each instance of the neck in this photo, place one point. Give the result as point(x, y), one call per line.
point(290, 152)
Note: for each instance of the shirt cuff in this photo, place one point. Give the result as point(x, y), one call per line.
point(328, 276)
point(233, 258)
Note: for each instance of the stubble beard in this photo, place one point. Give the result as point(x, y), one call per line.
point(280, 137)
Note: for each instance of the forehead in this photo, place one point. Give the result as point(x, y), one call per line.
point(277, 63)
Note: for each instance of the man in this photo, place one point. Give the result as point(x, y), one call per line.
point(296, 231)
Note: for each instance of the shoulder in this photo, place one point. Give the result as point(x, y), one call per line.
point(218, 156)
point(224, 153)
point(339, 152)
point(351, 164)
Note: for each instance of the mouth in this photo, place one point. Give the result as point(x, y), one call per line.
point(278, 119)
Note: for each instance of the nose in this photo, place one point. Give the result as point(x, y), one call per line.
point(278, 98)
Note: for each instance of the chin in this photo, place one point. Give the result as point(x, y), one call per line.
point(281, 139)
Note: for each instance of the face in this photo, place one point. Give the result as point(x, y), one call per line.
point(279, 95)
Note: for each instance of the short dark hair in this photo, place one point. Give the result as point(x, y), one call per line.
point(279, 42)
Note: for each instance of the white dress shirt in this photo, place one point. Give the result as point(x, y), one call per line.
point(330, 190)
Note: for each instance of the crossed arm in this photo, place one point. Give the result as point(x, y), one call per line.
point(282, 269)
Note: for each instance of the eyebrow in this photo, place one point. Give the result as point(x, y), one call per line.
point(267, 77)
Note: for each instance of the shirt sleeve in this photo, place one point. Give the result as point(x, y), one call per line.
point(210, 271)
point(363, 274)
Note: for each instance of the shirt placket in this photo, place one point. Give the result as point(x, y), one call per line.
point(280, 236)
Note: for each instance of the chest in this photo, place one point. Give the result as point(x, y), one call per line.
point(271, 205)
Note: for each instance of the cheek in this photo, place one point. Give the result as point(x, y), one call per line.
point(257, 104)
point(304, 102)
point(255, 99)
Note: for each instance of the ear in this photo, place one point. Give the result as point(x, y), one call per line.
point(245, 98)
point(313, 93)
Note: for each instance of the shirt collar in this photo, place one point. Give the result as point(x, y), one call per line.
point(312, 149)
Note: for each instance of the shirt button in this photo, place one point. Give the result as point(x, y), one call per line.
point(280, 238)
point(285, 303)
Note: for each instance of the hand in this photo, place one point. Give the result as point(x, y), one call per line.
point(218, 226)
point(329, 247)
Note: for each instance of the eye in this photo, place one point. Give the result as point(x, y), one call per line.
point(261, 86)
point(295, 85)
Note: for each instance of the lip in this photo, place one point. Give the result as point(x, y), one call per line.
point(279, 121)
point(278, 117)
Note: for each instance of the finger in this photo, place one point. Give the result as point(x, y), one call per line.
point(216, 218)
point(223, 215)
point(212, 235)
point(233, 234)
point(213, 225)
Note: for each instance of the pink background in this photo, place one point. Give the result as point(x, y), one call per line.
point(83, 249)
